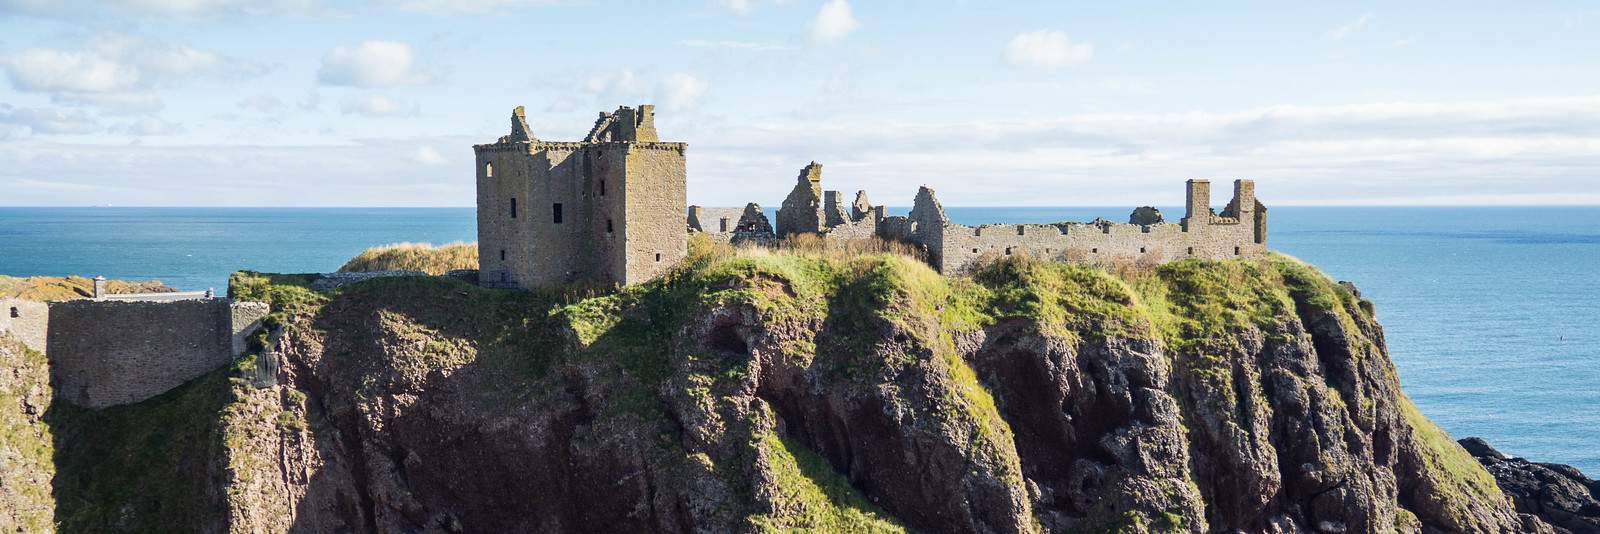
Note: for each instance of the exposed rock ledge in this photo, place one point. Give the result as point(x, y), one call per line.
point(1555, 493)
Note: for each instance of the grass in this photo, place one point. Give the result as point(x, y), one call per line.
point(145, 467)
point(811, 497)
point(1459, 480)
point(27, 448)
point(425, 257)
point(51, 288)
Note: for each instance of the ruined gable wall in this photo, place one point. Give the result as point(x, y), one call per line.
point(656, 197)
point(31, 324)
point(713, 221)
point(106, 353)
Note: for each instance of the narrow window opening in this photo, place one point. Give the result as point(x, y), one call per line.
point(488, 170)
point(502, 254)
point(1236, 251)
point(658, 257)
point(513, 207)
point(14, 313)
point(608, 226)
point(556, 209)
point(1008, 251)
point(1022, 230)
point(1191, 250)
point(602, 188)
point(724, 224)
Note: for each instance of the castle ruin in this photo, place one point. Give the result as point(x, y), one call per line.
point(605, 210)
point(611, 210)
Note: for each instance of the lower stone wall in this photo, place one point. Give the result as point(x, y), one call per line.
point(107, 353)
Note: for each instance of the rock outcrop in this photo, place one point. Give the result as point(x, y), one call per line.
point(1557, 494)
point(752, 390)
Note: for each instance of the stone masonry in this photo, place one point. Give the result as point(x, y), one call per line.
point(606, 210)
point(26, 320)
point(1240, 230)
point(110, 352)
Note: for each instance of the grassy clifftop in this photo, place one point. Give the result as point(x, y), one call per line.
point(422, 257)
point(759, 379)
point(755, 390)
point(70, 287)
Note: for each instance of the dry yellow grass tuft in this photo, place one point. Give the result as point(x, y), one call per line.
point(70, 287)
point(415, 257)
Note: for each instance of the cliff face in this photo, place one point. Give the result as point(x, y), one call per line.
point(757, 391)
point(772, 391)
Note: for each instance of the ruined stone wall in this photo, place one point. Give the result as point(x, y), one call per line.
point(656, 197)
point(107, 353)
point(27, 320)
point(1202, 235)
point(801, 211)
point(714, 222)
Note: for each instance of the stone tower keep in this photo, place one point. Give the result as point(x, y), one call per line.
point(607, 209)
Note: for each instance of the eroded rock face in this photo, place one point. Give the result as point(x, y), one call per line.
point(875, 396)
point(1556, 494)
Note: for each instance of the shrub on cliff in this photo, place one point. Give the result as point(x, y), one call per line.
point(414, 257)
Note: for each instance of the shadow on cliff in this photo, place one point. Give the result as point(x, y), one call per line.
point(152, 466)
point(450, 413)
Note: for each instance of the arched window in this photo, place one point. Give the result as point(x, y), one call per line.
point(488, 170)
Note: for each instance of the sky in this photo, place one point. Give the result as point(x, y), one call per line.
point(378, 102)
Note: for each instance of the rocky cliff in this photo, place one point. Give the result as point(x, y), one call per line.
point(773, 391)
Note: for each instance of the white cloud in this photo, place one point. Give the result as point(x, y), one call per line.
point(117, 72)
point(270, 105)
point(104, 8)
point(1048, 49)
point(149, 126)
point(1342, 32)
point(738, 7)
point(44, 70)
point(48, 120)
point(428, 155)
point(371, 64)
point(465, 7)
point(834, 21)
point(680, 91)
point(377, 106)
point(112, 103)
point(619, 86)
point(737, 45)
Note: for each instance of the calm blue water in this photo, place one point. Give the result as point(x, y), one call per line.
point(1491, 313)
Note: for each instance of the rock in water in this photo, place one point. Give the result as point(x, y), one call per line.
point(1557, 494)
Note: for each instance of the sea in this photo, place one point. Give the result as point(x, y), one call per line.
point(1492, 314)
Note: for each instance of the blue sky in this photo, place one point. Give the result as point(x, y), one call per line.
point(377, 103)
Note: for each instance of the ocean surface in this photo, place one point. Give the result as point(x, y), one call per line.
point(1492, 314)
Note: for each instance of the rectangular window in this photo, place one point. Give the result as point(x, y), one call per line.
point(724, 224)
point(602, 188)
point(502, 254)
point(608, 226)
point(1191, 250)
point(556, 209)
point(658, 256)
point(1236, 251)
point(513, 207)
